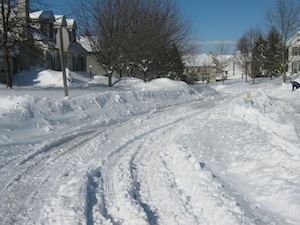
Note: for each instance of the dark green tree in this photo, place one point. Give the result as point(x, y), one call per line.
point(258, 63)
point(284, 16)
point(273, 53)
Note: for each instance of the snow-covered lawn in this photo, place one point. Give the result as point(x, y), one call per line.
point(152, 153)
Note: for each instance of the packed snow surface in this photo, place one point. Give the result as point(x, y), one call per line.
point(158, 153)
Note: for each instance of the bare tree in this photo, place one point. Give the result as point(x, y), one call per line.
point(284, 16)
point(134, 34)
point(246, 45)
point(222, 59)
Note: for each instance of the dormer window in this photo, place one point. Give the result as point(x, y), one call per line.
point(47, 28)
point(295, 51)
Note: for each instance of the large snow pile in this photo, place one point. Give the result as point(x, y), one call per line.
point(159, 152)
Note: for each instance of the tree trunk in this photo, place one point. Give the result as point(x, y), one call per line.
point(110, 80)
point(7, 70)
point(284, 68)
point(246, 71)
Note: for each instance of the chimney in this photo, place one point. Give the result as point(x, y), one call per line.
point(23, 11)
point(211, 58)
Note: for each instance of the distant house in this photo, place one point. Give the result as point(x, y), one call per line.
point(229, 67)
point(44, 25)
point(200, 68)
point(294, 53)
point(206, 68)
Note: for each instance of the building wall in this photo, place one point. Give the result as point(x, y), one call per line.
point(203, 74)
point(294, 54)
point(233, 70)
point(96, 68)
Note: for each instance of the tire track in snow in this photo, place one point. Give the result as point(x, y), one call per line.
point(120, 164)
point(33, 177)
point(23, 186)
point(191, 196)
point(96, 200)
point(151, 214)
point(36, 178)
point(98, 196)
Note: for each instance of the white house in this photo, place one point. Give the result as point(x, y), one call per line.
point(209, 68)
point(294, 53)
point(229, 67)
point(200, 68)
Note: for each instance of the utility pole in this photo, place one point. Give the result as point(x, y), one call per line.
point(62, 61)
point(62, 46)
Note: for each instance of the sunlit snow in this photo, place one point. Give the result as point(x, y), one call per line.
point(161, 152)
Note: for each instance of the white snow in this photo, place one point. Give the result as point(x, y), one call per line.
point(161, 152)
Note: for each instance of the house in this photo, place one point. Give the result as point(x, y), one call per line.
point(293, 46)
point(229, 67)
point(91, 64)
point(206, 68)
point(75, 54)
point(48, 24)
point(43, 25)
point(200, 68)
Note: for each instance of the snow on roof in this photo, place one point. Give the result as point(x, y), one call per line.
point(224, 57)
point(42, 15)
point(60, 20)
point(76, 47)
point(85, 43)
point(291, 41)
point(71, 23)
point(198, 60)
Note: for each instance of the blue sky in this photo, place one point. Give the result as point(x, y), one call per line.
point(224, 20)
point(215, 20)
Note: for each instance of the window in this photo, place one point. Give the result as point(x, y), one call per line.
point(233, 68)
point(295, 51)
point(51, 30)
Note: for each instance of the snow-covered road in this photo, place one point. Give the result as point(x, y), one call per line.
point(184, 158)
point(47, 184)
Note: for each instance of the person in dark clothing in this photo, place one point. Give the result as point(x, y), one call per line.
point(295, 85)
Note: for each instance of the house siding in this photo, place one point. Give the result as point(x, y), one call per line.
point(294, 54)
point(203, 74)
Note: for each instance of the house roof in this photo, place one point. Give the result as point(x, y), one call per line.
point(198, 60)
point(60, 20)
point(76, 47)
point(224, 57)
point(85, 43)
point(42, 15)
point(71, 24)
point(292, 40)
